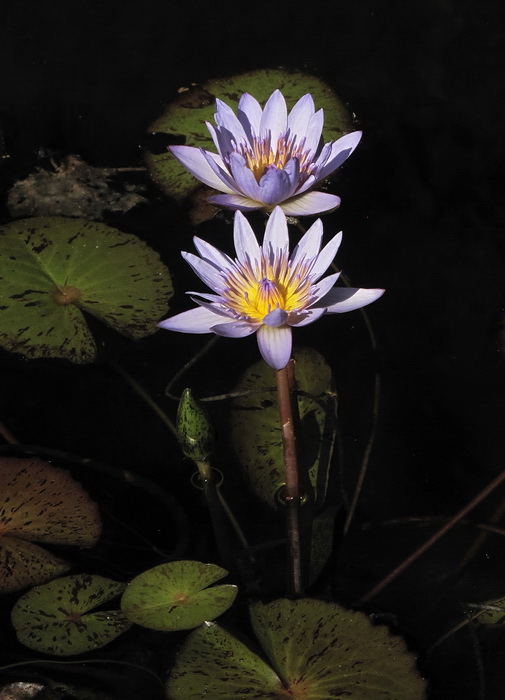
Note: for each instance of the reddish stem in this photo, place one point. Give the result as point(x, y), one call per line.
point(286, 388)
point(432, 540)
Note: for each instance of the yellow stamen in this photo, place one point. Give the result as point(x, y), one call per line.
point(261, 155)
point(253, 293)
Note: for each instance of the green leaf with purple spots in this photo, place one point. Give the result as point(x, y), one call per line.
point(313, 650)
point(40, 503)
point(186, 116)
point(255, 432)
point(174, 596)
point(56, 618)
point(52, 269)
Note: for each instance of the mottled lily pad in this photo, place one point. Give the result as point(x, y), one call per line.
point(175, 596)
point(255, 432)
point(187, 114)
point(42, 503)
point(316, 650)
point(52, 269)
point(54, 618)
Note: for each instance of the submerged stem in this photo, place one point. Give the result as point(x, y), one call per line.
point(286, 389)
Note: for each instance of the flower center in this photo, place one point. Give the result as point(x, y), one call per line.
point(263, 154)
point(253, 293)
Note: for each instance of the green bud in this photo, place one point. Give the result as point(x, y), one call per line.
point(195, 431)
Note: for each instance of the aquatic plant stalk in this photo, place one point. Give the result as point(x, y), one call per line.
point(286, 396)
point(432, 540)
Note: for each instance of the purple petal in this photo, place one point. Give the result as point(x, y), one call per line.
point(275, 345)
point(307, 316)
point(206, 271)
point(246, 244)
point(234, 329)
point(275, 318)
point(276, 239)
point(228, 184)
point(274, 118)
point(244, 177)
point(218, 309)
point(309, 245)
point(340, 151)
point(235, 201)
point(194, 160)
point(326, 256)
point(197, 320)
point(300, 115)
point(314, 130)
point(320, 290)
point(249, 114)
point(213, 255)
point(310, 203)
point(226, 119)
point(341, 299)
point(274, 186)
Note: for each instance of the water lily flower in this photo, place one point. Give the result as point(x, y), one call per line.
point(265, 290)
point(267, 157)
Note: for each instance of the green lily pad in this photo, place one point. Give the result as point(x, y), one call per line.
point(187, 114)
point(175, 596)
point(54, 618)
point(42, 503)
point(255, 432)
point(321, 649)
point(52, 269)
point(317, 650)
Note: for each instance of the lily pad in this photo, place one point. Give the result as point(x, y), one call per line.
point(255, 432)
point(53, 268)
point(54, 618)
point(187, 114)
point(174, 596)
point(42, 503)
point(317, 650)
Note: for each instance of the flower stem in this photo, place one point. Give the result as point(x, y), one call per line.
point(433, 539)
point(286, 396)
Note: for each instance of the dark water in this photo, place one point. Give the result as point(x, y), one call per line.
point(422, 216)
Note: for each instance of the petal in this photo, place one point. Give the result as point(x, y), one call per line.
point(213, 255)
point(276, 239)
point(341, 299)
point(314, 131)
point(299, 117)
point(218, 309)
point(274, 120)
point(244, 177)
point(197, 320)
point(235, 201)
point(306, 317)
point(310, 203)
point(326, 256)
point(194, 160)
point(246, 243)
point(318, 291)
point(206, 271)
point(249, 114)
point(215, 163)
point(275, 318)
point(226, 119)
point(235, 329)
point(340, 151)
point(309, 244)
point(275, 345)
point(274, 186)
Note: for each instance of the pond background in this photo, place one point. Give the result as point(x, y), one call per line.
point(422, 216)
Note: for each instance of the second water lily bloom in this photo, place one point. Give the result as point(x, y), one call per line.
point(265, 289)
point(267, 157)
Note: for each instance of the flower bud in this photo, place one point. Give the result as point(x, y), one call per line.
point(195, 431)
